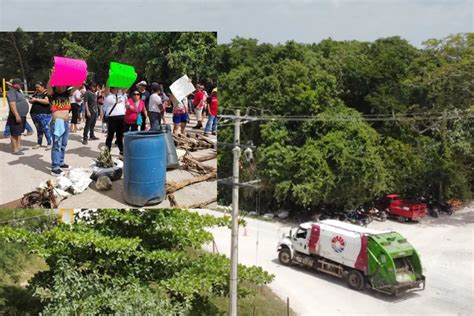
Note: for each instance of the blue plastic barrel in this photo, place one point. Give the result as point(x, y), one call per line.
point(144, 167)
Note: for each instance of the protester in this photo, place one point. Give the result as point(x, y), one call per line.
point(145, 96)
point(92, 111)
point(205, 107)
point(41, 115)
point(135, 112)
point(198, 103)
point(82, 116)
point(180, 114)
point(28, 128)
point(100, 105)
point(155, 107)
point(75, 99)
point(18, 110)
point(212, 120)
point(166, 103)
point(60, 107)
point(114, 103)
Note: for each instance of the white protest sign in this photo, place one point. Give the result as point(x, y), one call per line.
point(182, 87)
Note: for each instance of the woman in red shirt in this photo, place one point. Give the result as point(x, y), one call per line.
point(135, 112)
point(212, 120)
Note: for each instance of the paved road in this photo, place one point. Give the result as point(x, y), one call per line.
point(444, 244)
point(22, 174)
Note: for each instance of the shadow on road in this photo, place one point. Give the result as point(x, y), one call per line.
point(35, 161)
point(116, 193)
point(342, 283)
point(6, 147)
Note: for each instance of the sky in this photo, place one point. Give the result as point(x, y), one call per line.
point(271, 21)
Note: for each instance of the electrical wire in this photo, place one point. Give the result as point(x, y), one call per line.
point(27, 218)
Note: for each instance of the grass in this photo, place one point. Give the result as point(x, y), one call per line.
point(263, 303)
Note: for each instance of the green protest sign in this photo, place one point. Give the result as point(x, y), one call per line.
point(121, 75)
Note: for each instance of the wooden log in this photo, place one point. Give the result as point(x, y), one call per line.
point(205, 157)
point(199, 205)
point(172, 187)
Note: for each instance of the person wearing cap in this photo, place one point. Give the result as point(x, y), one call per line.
point(145, 96)
point(198, 103)
point(19, 108)
point(28, 128)
point(212, 120)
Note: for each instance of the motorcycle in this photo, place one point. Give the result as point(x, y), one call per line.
point(358, 217)
point(445, 207)
point(375, 213)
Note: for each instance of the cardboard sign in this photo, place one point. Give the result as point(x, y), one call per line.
point(68, 72)
point(182, 87)
point(121, 75)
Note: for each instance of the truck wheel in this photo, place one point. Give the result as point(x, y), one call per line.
point(284, 256)
point(355, 280)
point(401, 219)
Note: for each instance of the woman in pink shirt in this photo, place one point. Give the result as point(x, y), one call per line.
point(135, 112)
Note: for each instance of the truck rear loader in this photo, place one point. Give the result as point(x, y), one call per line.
point(381, 260)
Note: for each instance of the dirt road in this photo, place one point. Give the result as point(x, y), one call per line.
point(444, 244)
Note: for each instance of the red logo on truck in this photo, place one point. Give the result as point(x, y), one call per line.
point(338, 244)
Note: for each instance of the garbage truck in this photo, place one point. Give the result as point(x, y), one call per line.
point(365, 258)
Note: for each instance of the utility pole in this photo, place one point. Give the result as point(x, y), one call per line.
point(234, 246)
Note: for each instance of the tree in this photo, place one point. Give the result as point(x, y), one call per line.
point(128, 261)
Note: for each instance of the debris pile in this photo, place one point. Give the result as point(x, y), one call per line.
point(51, 192)
point(193, 141)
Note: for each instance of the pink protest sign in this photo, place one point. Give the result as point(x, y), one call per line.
point(68, 72)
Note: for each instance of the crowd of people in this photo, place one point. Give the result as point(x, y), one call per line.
point(58, 111)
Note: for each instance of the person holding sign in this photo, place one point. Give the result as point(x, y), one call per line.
point(60, 107)
point(115, 103)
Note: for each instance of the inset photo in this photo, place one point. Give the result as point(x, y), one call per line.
point(101, 119)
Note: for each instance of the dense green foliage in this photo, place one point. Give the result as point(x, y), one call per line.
point(15, 258)
point(383, 117)
point(133, 262)
point(157, 56)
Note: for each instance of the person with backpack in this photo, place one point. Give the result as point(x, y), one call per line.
point(115, 103)
point(135, 112)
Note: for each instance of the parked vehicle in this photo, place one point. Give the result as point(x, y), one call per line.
point(358, 217)
point(375, 213)
point(401, 209)
point(381, 260)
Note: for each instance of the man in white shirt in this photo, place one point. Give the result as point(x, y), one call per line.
point(155, 107)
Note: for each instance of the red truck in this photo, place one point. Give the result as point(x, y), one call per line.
point(403, 210)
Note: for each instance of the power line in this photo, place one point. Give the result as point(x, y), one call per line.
point(336, 118)
point(26, 218)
